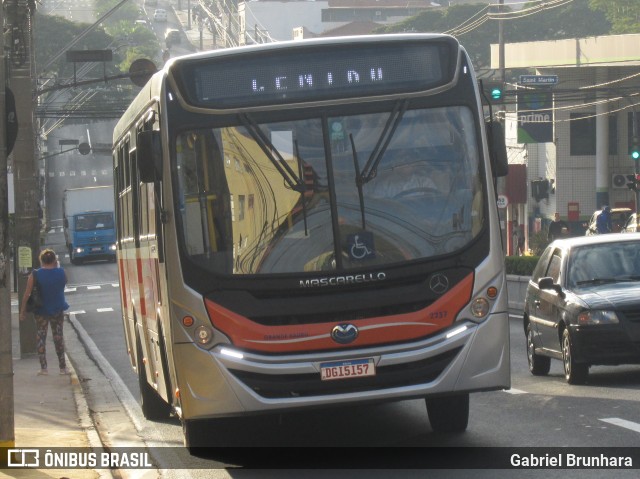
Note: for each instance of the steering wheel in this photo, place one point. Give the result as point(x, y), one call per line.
point(420, 190)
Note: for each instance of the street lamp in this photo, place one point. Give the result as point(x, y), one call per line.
point(83, 148)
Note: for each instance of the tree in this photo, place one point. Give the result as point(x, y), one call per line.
point(624, 15)
point(53, 33)
point(573, 20)
point(126, 13)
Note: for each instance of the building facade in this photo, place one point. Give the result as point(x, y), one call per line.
point(589, 122)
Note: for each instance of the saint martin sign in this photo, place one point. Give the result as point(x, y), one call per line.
point(538, 80)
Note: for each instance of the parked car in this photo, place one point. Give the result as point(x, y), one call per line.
point(631, 225)
point(172, 37)
point(160, 15)
point(619, 217)
point(582, 305)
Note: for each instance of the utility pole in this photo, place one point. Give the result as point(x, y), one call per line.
point(19, 15)
point(501, 42)
point(501, 186)
point(7, 426)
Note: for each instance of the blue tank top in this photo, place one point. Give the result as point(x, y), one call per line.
point(51, 283)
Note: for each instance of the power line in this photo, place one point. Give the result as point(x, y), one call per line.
point(480, 18)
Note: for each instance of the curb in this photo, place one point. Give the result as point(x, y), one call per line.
point(84, 417)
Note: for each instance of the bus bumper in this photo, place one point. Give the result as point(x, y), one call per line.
point(224, 381)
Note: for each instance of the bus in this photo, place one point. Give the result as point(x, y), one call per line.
point(309, 224)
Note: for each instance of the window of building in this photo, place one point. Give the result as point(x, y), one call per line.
point(582, 133)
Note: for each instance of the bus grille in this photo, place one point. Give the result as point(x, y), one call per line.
point(340, 316)
point(275, 386)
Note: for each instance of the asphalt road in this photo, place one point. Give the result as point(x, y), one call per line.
point(536, 412)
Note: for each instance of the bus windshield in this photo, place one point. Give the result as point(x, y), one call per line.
point(329, 193)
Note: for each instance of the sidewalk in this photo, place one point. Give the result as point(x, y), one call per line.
point(49, 411)
point(200, 39)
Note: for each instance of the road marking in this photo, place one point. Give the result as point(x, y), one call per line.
point(104, 310)
point(94, 287)
point(70, 290)
point(515, 391)
point(78, 312)
point(634, 426)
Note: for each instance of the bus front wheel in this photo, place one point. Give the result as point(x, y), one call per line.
point(194, 435)
point(449, 413)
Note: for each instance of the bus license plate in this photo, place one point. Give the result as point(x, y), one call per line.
point(353, 368)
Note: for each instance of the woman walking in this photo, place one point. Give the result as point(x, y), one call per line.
point(51, 280)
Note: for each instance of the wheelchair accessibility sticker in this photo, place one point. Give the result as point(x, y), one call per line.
point(360, 246)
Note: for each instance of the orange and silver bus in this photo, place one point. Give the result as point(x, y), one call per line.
point(310, 224)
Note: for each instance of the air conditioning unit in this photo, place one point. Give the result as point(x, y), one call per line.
point(619, 181)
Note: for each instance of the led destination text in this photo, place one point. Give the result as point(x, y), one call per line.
point(309, 80)
point(318, 73)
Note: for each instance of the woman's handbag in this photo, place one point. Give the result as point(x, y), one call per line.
point(35, 299)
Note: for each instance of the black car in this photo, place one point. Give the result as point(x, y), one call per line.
point(583, 305)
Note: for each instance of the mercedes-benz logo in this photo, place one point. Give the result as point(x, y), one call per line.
point(344, 333)
point(439, 283)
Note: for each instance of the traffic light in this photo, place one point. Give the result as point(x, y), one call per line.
point(635, 152)
point(493, 90)
point(540, 189)
point(634, 182)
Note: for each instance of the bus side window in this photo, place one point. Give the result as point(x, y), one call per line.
point(204, 198)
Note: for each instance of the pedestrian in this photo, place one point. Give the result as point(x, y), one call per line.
point(604, 223)
point(51, 279)
point(556, 228)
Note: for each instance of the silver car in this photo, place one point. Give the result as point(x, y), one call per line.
point(160, 15)
point(631, 226)
point(619, 217)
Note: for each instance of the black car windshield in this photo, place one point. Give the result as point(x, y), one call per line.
point(604, 263)
point(329, 193)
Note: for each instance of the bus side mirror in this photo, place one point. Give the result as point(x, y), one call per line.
point(497, 149)
point(149, 155)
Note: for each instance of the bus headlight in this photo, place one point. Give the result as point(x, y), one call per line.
point(203, 335)
point(479, 308)
point(112, 247)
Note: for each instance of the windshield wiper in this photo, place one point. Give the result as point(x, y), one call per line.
point(359, 181)
point(294, 182)
point(607, 280)
point(370, 168)
point(302, 196)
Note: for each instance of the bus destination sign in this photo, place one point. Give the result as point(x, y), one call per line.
point(316, 74)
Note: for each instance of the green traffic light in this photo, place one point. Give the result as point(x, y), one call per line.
point(496, 93)
point(635, 154)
